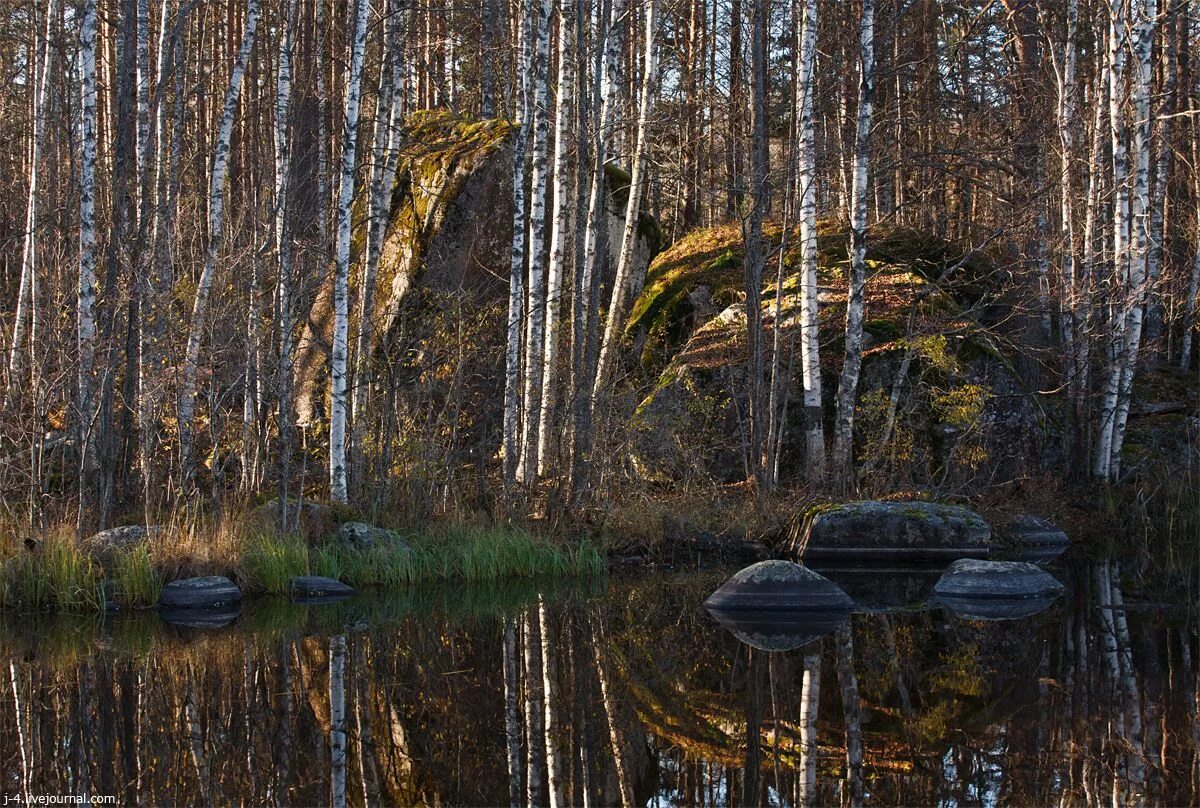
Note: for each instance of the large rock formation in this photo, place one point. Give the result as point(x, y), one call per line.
point(961, 415)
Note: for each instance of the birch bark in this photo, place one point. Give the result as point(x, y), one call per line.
point(341, 270)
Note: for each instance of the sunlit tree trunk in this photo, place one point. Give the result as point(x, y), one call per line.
point(806, 194)
point(86, 306)
point(512, 362)
point(555, 764)
point(843, 439)
point(562, 222)
point(284, 287)
point(216, 211)
point(341, 270)
point(614, 325)
point(535, 305)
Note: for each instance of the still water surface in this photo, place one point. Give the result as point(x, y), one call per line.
point(624, 690)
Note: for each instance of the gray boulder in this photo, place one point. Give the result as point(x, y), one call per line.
point(1031, 538)
point(315, 586)
point(103, 545)
point(778, 586)
point(362, 535)
point(872, 531)
point(778, 605)
point(996, 590)
point(205, 592)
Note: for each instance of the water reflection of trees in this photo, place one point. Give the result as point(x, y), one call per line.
point(617, 700)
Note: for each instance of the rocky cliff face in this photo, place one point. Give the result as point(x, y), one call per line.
point(446, 254)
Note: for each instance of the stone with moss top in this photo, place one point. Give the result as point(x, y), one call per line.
point(874, 530)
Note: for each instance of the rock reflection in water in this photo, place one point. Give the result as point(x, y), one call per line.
point(627, 694)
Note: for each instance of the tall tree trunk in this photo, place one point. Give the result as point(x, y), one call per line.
point(512, 363)
point(535, 712)
point(753, 237)
point(562, 221)
point(512, 714)
point(337, 720)
point(843, 439)
point(86, 307)
point(806, 193)
point(622, 282)
point(285, 282)
point(216, 211)
point(535, 306)
point(341, 270)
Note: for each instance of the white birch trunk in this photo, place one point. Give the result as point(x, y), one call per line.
point(86, 304)
point(623, 280)
point(535, 715)
point(216, 210)
point(562, 218)
point(555, 763)
point(1120, 235)
point(341, 271)
point(512, 363)
point(843, 439)
point(284, 284)
point(26, 297)
point(810, 702)
point(810, 357)
point(535, 306)
point(1066, 139)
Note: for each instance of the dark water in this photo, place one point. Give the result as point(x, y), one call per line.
point(649, 700)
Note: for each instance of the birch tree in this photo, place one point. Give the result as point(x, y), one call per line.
point(624, 276)
point(535, 306)
point(562, 222)
point(753, 236)
point(806, 193)
point(86, 302)
point(512, 358)
point(341, 271)
point(284, 315)
point(843, 438)
point(216, 221)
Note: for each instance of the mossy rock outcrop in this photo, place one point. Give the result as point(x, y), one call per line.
point(961, 412)
point(447, 249)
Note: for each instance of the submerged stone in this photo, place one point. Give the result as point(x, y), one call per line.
point(996, 590)
point(315, 588)
point(867, 531)
point(205, 592)
point(778, 586)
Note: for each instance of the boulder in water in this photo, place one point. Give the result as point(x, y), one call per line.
point(205, 592)
point(910, 531)
point(306, 587)
point(778, 605)
point(778, 586)
point(996, 590)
